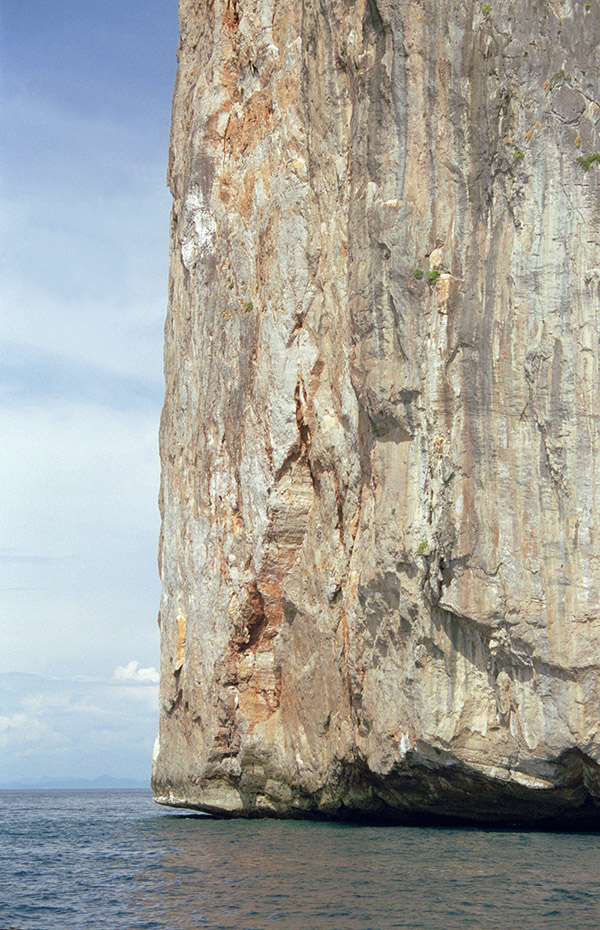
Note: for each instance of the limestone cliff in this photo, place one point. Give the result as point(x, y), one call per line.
point(380, 547)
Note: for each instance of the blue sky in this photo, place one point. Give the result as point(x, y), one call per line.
point(86, 98)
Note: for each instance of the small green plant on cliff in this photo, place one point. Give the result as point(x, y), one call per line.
point(559, 78)
point(586, 161)
point(486, 8)
point(433, 275)
point(249, 306)
point(418, 273)
point(422, 547)
point(588, 6)
point(517, 154)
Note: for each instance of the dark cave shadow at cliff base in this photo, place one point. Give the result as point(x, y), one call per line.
point(351, 818)
point(451, 796)
point(440, 822)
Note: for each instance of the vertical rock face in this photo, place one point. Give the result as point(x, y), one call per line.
point(380, 442)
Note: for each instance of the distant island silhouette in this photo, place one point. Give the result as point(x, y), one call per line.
point(102, 782)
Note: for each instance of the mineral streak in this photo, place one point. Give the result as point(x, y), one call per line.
point(380, 546)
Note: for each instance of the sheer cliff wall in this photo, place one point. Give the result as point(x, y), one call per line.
point(380, 441)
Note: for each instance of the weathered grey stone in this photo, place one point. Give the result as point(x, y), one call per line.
point(380, 488)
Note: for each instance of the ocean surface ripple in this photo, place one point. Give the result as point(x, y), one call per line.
point(112, 860)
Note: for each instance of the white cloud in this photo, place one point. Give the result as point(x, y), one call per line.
point(77, 727)
point(132, 672)
point(18, 731)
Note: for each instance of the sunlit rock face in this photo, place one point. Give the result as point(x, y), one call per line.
point(380, 442)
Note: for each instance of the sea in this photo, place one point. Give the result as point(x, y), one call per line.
point(106, 860)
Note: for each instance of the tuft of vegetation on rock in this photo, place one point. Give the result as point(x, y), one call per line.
point(586, 161)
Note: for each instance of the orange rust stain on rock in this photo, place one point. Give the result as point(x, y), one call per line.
point(278, 566)
point(212, 135)
point(261, 697)
point(245, 131)
point(445, 285)
point(228, 78)
point(225, 187)
point(258, 622)
point(246, 196)
point(231, 19)
point(251, 621)
point(181, 636)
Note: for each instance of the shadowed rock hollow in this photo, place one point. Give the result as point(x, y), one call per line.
point(380, 442)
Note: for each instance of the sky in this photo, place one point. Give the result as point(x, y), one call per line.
point(86, 98)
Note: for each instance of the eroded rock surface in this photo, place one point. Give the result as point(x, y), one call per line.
point(380, 442)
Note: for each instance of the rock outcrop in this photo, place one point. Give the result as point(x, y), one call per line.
point(380, 546)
